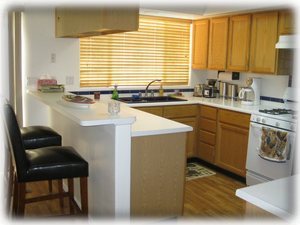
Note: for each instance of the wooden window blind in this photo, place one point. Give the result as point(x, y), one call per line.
point(160, 49)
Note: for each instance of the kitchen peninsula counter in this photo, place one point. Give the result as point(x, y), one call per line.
point(121, 151)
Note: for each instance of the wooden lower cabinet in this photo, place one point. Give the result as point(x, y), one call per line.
point(207, 133)
point(190, 140)
point(186, 114)
point(158, 175)
point(219, 136)
point(232, 141)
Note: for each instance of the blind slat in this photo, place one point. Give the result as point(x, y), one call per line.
point(158, 50)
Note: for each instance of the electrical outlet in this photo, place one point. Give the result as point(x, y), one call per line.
point(53, 58)
point(69, 80)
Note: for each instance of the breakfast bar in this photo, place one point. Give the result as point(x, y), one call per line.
point(115, 146)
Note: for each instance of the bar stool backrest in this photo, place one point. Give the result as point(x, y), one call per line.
point(15, 139)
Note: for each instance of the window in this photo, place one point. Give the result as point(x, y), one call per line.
point(160, 49)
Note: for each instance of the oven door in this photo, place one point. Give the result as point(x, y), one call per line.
point(262, 167)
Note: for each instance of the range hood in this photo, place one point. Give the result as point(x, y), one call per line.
point(286, 42)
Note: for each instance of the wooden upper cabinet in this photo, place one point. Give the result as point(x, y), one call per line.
point(200, 44)
point(218, 43)
point(85, 22)
point(263, 40)
point(239, 43)
point(286, 22)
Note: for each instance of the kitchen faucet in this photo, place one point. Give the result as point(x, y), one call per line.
point(146, 90)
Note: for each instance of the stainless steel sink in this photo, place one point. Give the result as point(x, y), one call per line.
point(131, 100)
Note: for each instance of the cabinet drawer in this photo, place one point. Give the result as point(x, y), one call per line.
point(234, 118)
point(208, 112)
point(208, 125)
point(180, 111)
point(206, 152)
point(207, 137)
point(153, 110)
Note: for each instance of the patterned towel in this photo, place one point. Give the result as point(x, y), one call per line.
point(273, 144)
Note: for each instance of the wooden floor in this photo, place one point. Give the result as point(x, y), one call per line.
point(211, 197)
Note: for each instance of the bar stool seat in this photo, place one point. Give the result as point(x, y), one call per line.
point(55, 162)
point(39, 136)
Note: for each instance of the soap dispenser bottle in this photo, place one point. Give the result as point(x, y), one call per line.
point(161, 90)
point(115, 94)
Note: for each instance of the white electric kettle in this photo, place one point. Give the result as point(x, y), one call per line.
point(247, 96)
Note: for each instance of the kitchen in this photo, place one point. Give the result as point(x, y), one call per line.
point(45, 56)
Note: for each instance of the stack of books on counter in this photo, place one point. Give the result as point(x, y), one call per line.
point(52, 88)
point(49, 85)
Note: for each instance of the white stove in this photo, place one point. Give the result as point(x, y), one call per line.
point(278, 118)
point(277, 122)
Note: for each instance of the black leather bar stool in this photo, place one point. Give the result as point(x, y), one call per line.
point(55, 162)
point(38, 137)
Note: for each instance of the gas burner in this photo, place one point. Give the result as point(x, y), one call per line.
point(277, 111)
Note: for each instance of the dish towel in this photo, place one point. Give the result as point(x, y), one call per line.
point(273, 145)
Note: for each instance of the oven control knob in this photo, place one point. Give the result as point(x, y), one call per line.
point(277, 124)
point(258, 119)
point(263, 120)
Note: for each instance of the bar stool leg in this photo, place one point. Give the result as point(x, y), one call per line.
point(71, 194)
point(84, 195)
point(60, 191)
point(50, 186)
point(15, 195)
point(21, 199)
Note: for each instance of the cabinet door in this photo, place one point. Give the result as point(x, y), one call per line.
point(286, 22)
point(180, 111)
point(153, 110)
point(218, 43)
point(190, 142)
point(239, 43)
point(263, 40)
point(231, 151)
point(200, 44)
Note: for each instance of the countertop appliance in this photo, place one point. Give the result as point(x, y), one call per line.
point(250, 95)
point(198, 90)
point(271, 145)
point(223, 89)
point(232, 92)
point(210, 91)
point(247, 96)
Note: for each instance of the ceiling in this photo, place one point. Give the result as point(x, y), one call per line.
point(198, 10)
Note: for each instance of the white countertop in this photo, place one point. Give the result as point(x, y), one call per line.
point(95, 115)
point(143, 124)
point(276, 197)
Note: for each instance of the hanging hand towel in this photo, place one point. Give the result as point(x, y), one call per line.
point(273, 145)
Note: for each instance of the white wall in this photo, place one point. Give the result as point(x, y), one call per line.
point(40, 43)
